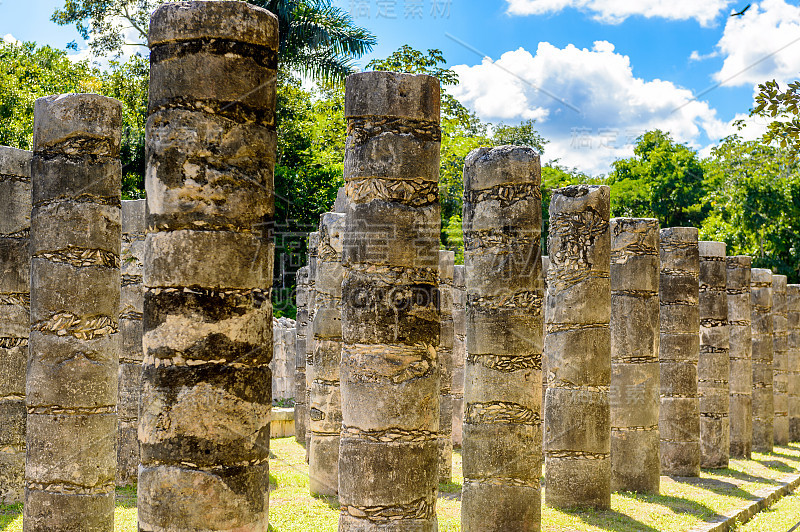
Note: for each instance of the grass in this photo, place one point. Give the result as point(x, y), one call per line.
point(682, 505)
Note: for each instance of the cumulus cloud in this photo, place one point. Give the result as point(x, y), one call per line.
point(616, 11)
point(761, 45)
point(587, 102)
point(10, 39)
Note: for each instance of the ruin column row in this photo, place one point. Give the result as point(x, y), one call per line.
point(635, 385)
point(15, 226)
point(713, 368)
point(679, 293)
point(502, 398)
point(740, 356)
point(780, 360)
point(459, 350)
point(325, 406)
point(300, 403)
point(761, 327)
point(71, 382)
point(445, 357)
point(577, 437)
point(388, 455)
point(206, 382)
point(793, 340)
point(130, 327)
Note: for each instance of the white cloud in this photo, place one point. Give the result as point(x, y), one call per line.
point(616, 11)
point(131, 37)
point(10, 39)
point(613, 106)
point(697, 56)
point(761, 45)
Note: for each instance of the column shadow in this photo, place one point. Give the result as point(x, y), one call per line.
point(776, 465)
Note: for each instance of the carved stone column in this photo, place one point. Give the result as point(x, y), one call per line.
point(741, 350)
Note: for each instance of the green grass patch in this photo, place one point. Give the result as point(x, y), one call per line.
point(682, 505)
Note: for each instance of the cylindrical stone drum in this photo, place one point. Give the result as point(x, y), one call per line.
point(206, 381)
point(577, 436)
point(635, 386)
point(713, 368)
point(679, 351)
point(388, 456)
point(761, 327)
point(502, 400)
point(780, 360)
point(71, 390)
point(15, 265)
point(740, 351)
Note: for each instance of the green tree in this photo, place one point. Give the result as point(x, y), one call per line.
point(524, 134)
point(28, 72)
point(316, 38)
point(754, 192)
point(128, 83)
point(662, 180)
point(783, 107)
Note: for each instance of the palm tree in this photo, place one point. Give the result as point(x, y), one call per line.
point(317, 39)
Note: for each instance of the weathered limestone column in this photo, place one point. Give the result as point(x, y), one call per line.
point(635, 385)
point(741, 349)
point(130, 327)
point(300, 403)
point(713, 368)
point(388, 456)
point(577, 438)
point(780, 360)
point(445, 357)
point(313, 246)
point(325, 405)
point(71, 385)
point(15, 264)
point(761, 327)
point(502, 412)
point(206, 383)
point(545, 269)
point(459, 350)
point(679, 351)
point(793, 319)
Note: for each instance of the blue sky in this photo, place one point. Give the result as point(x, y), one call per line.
point(593, 73)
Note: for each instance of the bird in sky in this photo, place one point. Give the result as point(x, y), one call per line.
point(742, 12)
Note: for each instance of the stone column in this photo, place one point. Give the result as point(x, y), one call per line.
point(761, 327)
point(290, 345)
point(15, 263)
point(459, 350)
point(713, 368)
point(388, 457)
point(679, 351)
point(780, 361)
point(206, 383)
point(130, 327)
point(325, 405)
point(635, 385)
point(741, 349)
point(300, 403)
point(545, 269)
point(502, 418)
point(313, 245)
point(793, 318)
point(445, 357)
point(577, 438)
point(71, 388)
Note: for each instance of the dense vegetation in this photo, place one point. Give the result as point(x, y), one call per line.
point(747, 193)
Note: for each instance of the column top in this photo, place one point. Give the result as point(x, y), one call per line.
point(392, 94)
point(213, 19)
point(779, 282)
point(712, 249)
point(761, 275)
point(738, 261)
point(679, 234)
point(15, 162)
point(486, 167)
point(133, 216)
point(61, 119)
